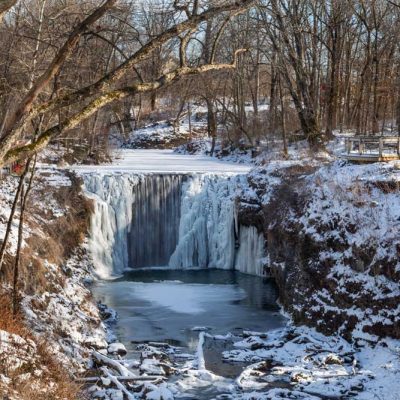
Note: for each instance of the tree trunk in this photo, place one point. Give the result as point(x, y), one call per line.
point(272, 97)
point(12, 213)
point(153, 101)
point(24, 198)
point(283, 120)
point(211, 124)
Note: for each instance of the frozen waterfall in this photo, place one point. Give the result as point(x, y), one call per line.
point(110, 221)
point(206, 231)
point(175, 220)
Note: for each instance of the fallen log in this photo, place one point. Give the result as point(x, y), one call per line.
point(118, 384)
point(114, 364)
point(94, 379)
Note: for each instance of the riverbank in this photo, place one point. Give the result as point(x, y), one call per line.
point(58, 324)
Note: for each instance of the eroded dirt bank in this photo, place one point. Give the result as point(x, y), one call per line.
point(58, 324)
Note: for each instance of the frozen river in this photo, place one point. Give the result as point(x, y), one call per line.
point(165, 161)
point(169, 305)
point(172, 306)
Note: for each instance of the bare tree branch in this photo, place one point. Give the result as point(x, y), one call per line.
point(105, 82)
point(55, 66)
point(109, 97)
point(25, 111)
point(6, 5)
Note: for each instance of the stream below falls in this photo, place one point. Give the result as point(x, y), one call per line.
point(186, 279)
point(173, 306)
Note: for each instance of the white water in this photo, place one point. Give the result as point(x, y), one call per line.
point(128, 235)
point(153, 235)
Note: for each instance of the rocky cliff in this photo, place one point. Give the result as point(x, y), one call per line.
point(332, 237)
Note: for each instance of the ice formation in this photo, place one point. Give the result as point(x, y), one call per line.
point(110, 221)
point(175, 220)
point(250, 255)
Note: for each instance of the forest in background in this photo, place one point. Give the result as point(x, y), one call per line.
point(80, 70)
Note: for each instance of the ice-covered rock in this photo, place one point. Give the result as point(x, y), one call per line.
point(117, 348)
point(160, 393)
point(200, 328)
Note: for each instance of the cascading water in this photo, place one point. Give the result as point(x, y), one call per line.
point(180, 221)
point(156, 211)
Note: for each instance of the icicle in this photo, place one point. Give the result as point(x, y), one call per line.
point(250, 255)
point(111, 220)
point(206, 232)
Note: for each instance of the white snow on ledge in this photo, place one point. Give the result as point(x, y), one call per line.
point(164, 162)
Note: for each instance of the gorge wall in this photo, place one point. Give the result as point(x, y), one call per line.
point(332, 238)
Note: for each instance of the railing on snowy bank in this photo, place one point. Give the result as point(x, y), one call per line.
point(372, 148)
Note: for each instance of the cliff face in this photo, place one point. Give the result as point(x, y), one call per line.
point(332, 238)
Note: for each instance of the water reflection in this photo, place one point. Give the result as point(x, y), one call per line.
point(165, 305)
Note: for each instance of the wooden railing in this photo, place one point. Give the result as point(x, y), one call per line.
point(372, 148)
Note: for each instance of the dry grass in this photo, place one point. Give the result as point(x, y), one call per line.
point(70, 230)
point(54, 375)
point(7, 321)
point(55, 240)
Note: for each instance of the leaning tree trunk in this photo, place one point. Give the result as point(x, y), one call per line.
point(12, 213)
point(24, 198)
point(5, 5)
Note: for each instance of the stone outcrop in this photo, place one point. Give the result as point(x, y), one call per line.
point(335, 270)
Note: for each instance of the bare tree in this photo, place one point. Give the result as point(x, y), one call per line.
point(87, 100)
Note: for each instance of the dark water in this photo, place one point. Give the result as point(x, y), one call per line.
point(165, 305)
point(153, 235)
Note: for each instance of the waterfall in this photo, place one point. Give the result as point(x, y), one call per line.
point(206, 231)
point(169, 220)
point(156, 212)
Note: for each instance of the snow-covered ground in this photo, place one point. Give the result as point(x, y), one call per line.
point(289, 363)
point(164, 161)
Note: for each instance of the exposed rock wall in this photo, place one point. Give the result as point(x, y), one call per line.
point(332, 242)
